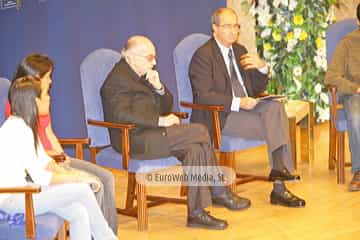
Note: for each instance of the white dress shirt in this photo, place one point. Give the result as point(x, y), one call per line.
point(17, 154)
point(235, 104)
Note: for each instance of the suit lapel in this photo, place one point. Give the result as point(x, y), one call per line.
point(219, 59)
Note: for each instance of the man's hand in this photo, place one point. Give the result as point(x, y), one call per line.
point(153, 77)
point(168, 120)
point(250, 61)
point(248, 103)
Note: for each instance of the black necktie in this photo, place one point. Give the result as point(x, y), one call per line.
point(236, 85)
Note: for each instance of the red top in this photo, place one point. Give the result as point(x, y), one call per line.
point(43, 122)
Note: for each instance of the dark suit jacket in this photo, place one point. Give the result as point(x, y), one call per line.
point(211, 82)
point(128, 98)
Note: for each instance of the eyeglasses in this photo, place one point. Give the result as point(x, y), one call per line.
point(149, 58)
point(230, 26)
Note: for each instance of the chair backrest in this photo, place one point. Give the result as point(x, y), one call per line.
point(182, 57)
point(93, 72)
point(4, 88)
point(335, 33)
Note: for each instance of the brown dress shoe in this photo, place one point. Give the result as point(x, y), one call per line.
point(355, 182)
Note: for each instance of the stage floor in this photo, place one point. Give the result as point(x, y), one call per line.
point(331, 211)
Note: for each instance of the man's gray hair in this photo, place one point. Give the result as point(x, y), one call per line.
point(215, 17)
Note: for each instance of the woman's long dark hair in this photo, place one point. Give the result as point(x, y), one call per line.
point(36, 65)
point(22, 94)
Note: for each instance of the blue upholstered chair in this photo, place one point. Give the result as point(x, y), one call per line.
point(227, 145)
point(94, 70)
point(42, 227)
point(338, 125)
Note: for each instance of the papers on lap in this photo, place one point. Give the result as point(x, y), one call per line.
point(272, 98)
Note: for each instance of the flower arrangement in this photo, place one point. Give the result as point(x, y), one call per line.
point(291, 39)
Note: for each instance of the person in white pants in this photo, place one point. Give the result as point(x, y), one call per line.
point(64, 192)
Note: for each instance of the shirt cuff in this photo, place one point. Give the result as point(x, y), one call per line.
point(264, 70)
point(235, 104)
point(160, 91)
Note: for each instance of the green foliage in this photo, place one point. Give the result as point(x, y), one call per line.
point(291, 38)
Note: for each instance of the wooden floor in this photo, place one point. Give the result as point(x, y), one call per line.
point(331, 211)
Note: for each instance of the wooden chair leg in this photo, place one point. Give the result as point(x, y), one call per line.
point(61, 235)
point(93, 155)
point(341, 159)
point(30, 217)
point(183, 191)
point(130, 197)
point(292, 134)
point(142, 213)
point(227, 159)
point(332, 145)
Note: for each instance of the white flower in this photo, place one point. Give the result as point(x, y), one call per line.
point(321, 52)
point(317, 60)
point(324, 114)
point(252, 10)
point(291, 44)
point(297, 71)
point(324, 64)
point(276, 3)
point(297, 83)
point(318, 88)
point(324, 97)
point(262, 3)
point(331, 15)
point(292, 5)
point(279, 19)
point(297, 32)
point(267, 55)
point(320, 62)
point(286, 27)
point(266, 33)
point(324, 25)
point(284, 3)
point(264, 18)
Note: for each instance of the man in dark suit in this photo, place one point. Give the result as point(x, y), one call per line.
point(133, 93)
point(222, 72)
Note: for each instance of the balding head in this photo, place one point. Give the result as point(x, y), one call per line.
point(139, 52)
point(138, 44)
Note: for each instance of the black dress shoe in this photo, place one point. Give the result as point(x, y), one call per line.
point(231, 201)
point(283, 175)
point(205, 220)
point(286, 199)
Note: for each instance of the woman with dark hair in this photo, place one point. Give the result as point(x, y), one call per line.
point(41, 67)
point(63, 193)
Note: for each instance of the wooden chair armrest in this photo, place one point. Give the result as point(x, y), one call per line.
point(125, 137)
point(59, 158)
point(111, 125)
point(22, 189)
point(202, 106)
point(181, 115)
point(74, 141)
point(29, 206)
point(79, 147)
point(331, 87)
point(214, 109)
